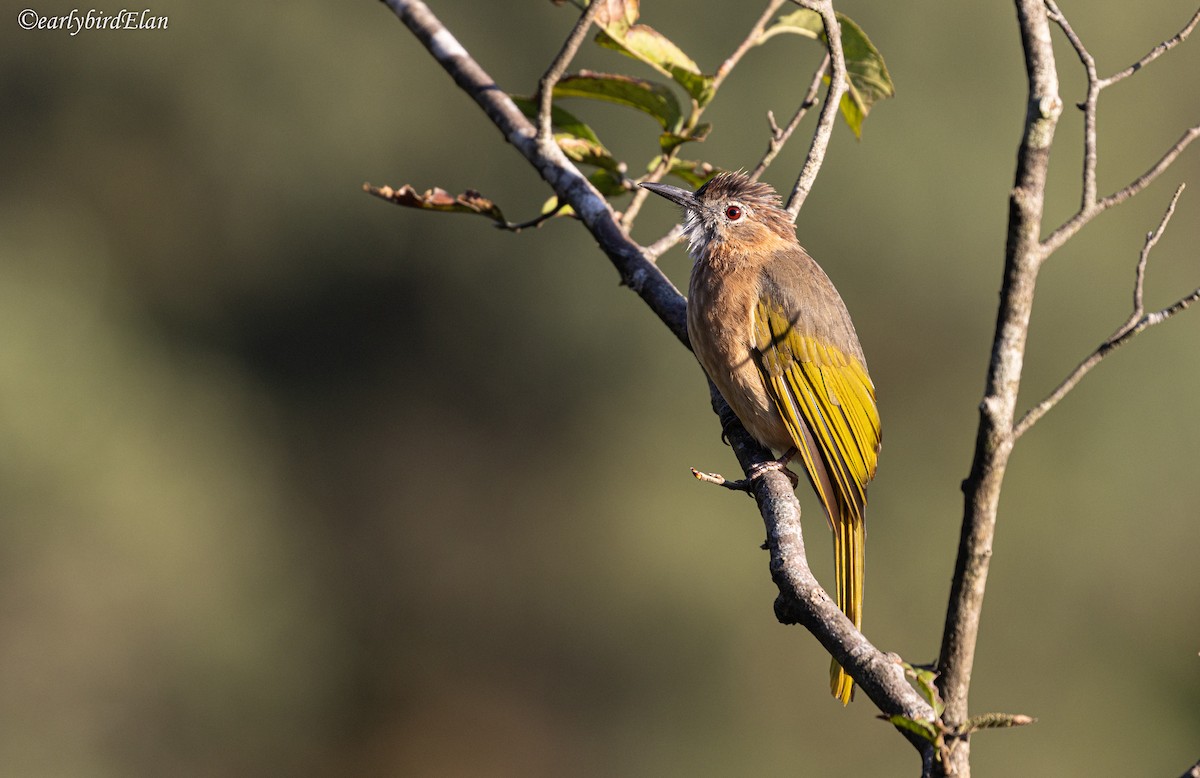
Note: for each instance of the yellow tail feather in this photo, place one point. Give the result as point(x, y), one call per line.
point(849, 547)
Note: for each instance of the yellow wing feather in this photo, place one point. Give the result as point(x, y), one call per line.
point(827, 402)
point(817, 385)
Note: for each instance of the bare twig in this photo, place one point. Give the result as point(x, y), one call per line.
point(1090, 205)
point(1088, 199)
point(1147, 178)
point(1138, 322)
point(545, 92)
point(780, 136)
point(535, 222)
point(749, 42)
point(1139, 282)
point(665, 243)
point(837, 85)
point(1155, 52)
point(1069, 228)
point(740, 485)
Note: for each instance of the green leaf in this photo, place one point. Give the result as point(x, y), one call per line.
point(651, 98)
point(919, 727)
point(577, 140)
point(867, 74)
point(608, 182)
point(804, 22)
point(648, 45)
point(925, 680)
point(670, 140)
point(868, 80)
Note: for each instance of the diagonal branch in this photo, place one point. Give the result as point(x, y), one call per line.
point(1090, 205)
point(780, 136)
point(571, 186)
point(1155, 52)
point(1069, 228)
point(802, 600)
point(749, 42)
point(1138, 322)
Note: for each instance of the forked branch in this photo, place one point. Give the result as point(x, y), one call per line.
point(1138, 322)
point(1091, 205)
point(801, 599)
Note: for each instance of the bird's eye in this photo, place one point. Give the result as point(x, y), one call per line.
point(733, 213)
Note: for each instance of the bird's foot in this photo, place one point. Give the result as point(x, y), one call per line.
point(756, 471)
point(781, 464)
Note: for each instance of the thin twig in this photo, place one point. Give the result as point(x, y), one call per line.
point(533, 223)
point(664, 163)
point(1155, 52)
point(545, 92)
point(1147, 178)
point(1090, 205)
point(1088, 197)
point(749, 42)
point(837, 85)
point(1069, 228)
point(1138, 322)
point(664, 244)
point(780, 136)
point(741, 485)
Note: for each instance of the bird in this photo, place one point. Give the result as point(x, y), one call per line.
point(772, 333)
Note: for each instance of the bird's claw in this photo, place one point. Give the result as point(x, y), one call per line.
point(761, 468)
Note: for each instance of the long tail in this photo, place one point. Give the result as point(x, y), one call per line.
point(849, 548)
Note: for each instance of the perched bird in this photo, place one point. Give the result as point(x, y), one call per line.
point(771, 331)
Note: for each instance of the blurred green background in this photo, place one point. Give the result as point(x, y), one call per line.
point(296, 482)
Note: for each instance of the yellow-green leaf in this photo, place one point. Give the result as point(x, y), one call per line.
point(804, 22)
point(868, 80)
point(649, 97)
point(648, 45)
point(670, 140)
point(926, 684)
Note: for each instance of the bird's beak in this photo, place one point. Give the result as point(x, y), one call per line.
point(675, 194)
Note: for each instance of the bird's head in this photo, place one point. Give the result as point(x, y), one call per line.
point(730, 211)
